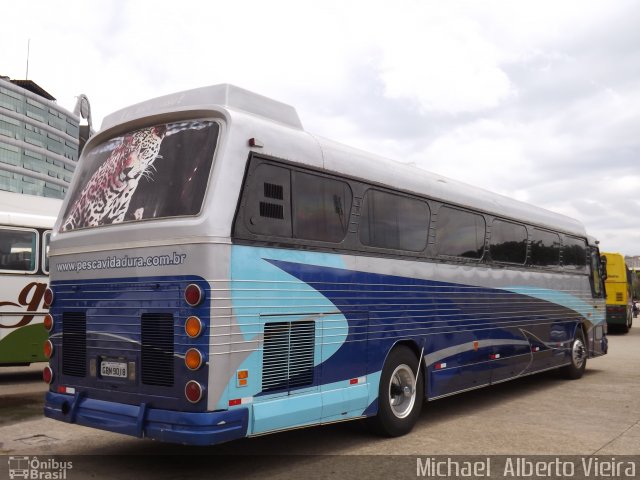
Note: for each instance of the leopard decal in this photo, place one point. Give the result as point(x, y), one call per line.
point(106, 197)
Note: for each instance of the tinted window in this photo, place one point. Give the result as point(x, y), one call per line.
point(155, 172)
point(395, 222)
point(459, 233)
point(508, 242)
point(545, 248)
point(267, 207)
point(321, 208)
point(17, 250)
point(574, 253)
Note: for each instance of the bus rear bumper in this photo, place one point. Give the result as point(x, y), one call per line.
point(191, 428)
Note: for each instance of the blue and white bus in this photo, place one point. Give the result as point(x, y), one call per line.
point(217, 272)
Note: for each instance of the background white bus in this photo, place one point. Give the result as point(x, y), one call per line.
point(25, 229)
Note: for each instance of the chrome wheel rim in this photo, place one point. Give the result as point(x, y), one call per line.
point(578, 353)
point(402, 391)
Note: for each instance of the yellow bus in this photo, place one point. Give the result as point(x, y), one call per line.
point(618, 286)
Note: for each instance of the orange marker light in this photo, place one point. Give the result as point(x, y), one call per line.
point(193, 359)
point(243, 378)
point(193, 327)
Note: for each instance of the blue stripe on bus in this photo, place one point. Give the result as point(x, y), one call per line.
point(435, 315)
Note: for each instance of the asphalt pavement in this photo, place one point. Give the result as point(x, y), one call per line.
point(597, 415)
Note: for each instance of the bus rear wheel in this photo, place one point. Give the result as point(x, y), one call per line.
point(400, 395)
point(579, 354)
point(627, 326)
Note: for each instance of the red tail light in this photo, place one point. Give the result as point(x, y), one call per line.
point(48, 349)
point(48, 322)
point(193, 295)
point(193, 391)
point(48, 297)
point(47, 375)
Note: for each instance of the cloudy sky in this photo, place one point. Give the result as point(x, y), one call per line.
point(537, 100)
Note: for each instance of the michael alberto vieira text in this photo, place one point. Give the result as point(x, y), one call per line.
point(520, 467)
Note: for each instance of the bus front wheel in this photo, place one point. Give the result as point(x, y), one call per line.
point(400, 394)
point(578, 355)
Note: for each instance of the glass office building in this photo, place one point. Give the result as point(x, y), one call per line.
point(38, 140)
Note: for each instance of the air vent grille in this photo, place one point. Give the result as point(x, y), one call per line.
point(74, 344)
point(157, 349)
point(289, 349)
point(271, 210)
point(273, 191)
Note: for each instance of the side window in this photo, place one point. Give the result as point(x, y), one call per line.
point(545, 248)
point(321, 207)
point(46, 238)
point(574, 253)
point(459, 233)
point(268, 201)
point(508, 242)
point(394, 222)
point(18, 250)
point(281, 202)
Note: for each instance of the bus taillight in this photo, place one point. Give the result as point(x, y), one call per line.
point(48, 298)
point(193, 391)
point(48, 322)
point(193, 327)
point(47, 375)
point(193, 295)
point(193, 359)
point(48, 349)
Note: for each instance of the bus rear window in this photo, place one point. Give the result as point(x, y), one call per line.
point(155, 172)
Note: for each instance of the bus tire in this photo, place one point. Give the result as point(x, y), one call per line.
point(579, 354)
point(624, 328)
point(400, 394)
point(629, 322)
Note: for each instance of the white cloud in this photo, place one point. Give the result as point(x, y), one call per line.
point(444, 62)
point(536, 100)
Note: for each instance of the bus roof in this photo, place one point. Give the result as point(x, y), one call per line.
point(18, 209)
point(266, 113)
point(224, 94)
point(352, 162)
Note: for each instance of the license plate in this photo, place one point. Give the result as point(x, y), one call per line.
point(113, 369)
